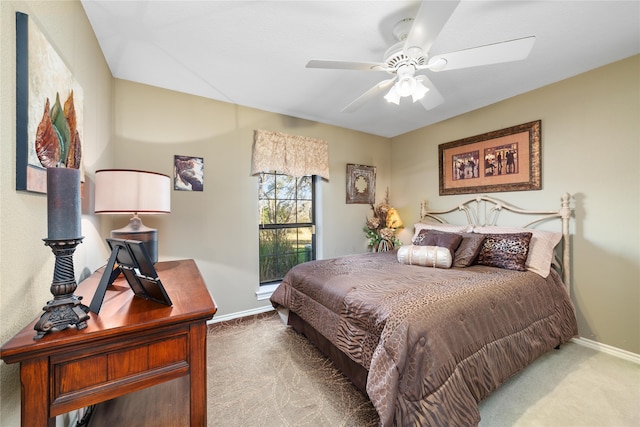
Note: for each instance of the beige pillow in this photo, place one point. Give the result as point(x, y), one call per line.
point(541, 246)
point(426, 256)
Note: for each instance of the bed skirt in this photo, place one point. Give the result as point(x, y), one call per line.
point(356, 373)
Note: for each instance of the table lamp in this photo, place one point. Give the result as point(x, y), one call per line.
point(393, 219)
point(124, 191)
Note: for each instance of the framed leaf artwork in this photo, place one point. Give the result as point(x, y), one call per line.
point(49, 109)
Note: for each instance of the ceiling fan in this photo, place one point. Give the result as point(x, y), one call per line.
point(410, 55)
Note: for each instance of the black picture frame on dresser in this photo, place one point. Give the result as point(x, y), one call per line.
point(131, 259)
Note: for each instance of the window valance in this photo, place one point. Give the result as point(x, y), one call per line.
point(289, 154)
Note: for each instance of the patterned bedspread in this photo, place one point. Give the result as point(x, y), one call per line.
point(434, 341)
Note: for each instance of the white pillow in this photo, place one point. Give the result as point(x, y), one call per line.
point(449, 228)
point(426, 256)
point(541, 246)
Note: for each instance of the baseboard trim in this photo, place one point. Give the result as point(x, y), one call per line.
point(614, 351)
point(239, 314)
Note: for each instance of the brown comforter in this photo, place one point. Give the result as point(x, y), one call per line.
point(435, 341)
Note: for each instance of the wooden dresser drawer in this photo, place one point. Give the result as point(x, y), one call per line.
point(113, 365)
point(80, 374)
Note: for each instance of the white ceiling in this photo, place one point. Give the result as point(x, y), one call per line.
point(253, 53)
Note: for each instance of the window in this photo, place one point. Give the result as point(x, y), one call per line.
point(287, 223)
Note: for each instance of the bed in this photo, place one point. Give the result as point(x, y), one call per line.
point(427, 331)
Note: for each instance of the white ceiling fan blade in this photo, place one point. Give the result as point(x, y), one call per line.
point(368, 95)
point(347, 65)
point(433, 98)
point(429, 21)
point(513, 50)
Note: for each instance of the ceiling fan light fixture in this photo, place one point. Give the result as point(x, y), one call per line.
point(392, 96)
point(419, 92)
point(406, 85)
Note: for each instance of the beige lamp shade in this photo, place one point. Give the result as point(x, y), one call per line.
point(393, 219)
point(122, 191)
point(132, 191)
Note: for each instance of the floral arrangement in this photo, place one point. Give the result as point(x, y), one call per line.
point(381, 229)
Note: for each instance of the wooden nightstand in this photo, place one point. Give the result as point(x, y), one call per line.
point(131, 345)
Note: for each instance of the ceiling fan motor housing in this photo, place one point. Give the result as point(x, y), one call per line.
point(395, 58)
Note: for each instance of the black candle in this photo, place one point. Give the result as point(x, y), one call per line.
point(63, 203)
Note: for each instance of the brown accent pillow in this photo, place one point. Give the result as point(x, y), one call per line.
point(468, 250)
point(442, 239)
point(508, 251)
point(541, 247)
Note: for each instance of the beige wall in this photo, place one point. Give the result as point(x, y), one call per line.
point(137, 126)
point(219, 226)
point(591, 149)
point(26, 265)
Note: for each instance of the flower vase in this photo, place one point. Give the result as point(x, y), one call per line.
point(383, 246)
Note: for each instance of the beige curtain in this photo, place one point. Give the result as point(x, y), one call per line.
point(289, 154)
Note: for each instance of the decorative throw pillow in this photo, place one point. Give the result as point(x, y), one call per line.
point(442, 239)
point(541, 247)
point(426, 256)
point(449, 228)
point(468, 250)
point(508, 251)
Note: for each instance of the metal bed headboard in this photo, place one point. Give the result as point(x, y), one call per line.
point(484, 210)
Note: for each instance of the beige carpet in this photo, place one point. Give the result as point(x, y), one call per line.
point(261, 373)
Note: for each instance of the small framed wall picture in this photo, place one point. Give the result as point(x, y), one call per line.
point(188, 173)
point(361, 184)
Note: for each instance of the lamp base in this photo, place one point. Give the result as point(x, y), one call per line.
point(136, 230)
point(64, 309)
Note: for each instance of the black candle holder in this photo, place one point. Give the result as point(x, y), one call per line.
point(64, 309)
